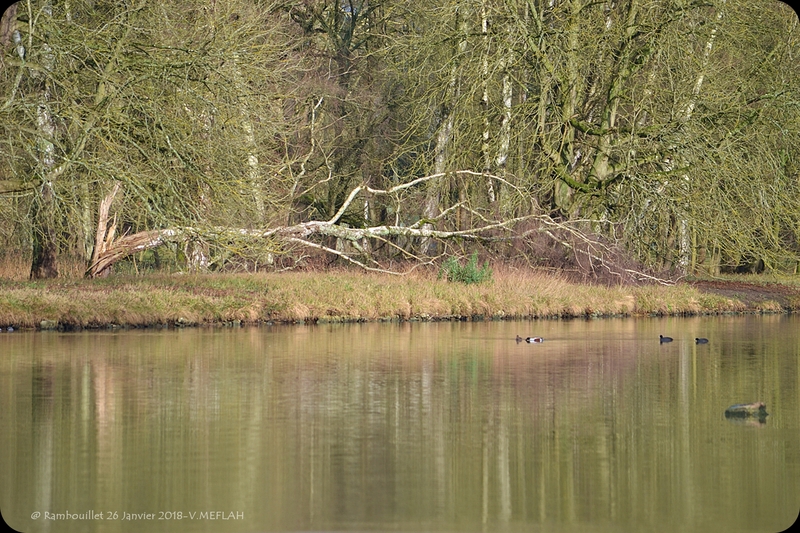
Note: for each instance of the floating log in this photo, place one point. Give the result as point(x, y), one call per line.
point(746, 410)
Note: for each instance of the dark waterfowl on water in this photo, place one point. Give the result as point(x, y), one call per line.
point(700, 340)
point(529, 339)
point(662, 338)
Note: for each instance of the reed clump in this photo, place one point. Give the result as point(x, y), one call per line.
point(338, 295)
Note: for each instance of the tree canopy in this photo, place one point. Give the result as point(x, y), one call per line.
point(247, 133)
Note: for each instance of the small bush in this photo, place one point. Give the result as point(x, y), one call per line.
point(469, 273)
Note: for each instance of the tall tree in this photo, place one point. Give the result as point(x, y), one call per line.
point(156, 97)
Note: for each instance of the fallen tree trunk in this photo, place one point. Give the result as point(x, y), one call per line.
point(301, 234)
point(109, 250)
point(104, 236)
point(127, 245)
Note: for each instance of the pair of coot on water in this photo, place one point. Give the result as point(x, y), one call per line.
point(662, 339)
point(697, 340)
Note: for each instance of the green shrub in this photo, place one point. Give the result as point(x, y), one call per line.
point(470, 273)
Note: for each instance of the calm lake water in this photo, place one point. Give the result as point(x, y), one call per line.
point(403, 427)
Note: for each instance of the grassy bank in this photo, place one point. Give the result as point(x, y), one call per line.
point(296, 297)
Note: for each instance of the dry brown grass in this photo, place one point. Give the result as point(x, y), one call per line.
point(14, 266)
point(336, 295)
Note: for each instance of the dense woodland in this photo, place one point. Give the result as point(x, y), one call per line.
point(625, 136)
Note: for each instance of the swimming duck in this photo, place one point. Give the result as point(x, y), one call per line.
point(662, 338)
point(700, 340)
point(529, 339)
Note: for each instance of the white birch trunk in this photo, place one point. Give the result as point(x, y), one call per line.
point(487, 158)
point(253, 171)
point(505, 123)
point(684, 230)
point(44, 264)
point(430, 209)
point(698, 84)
